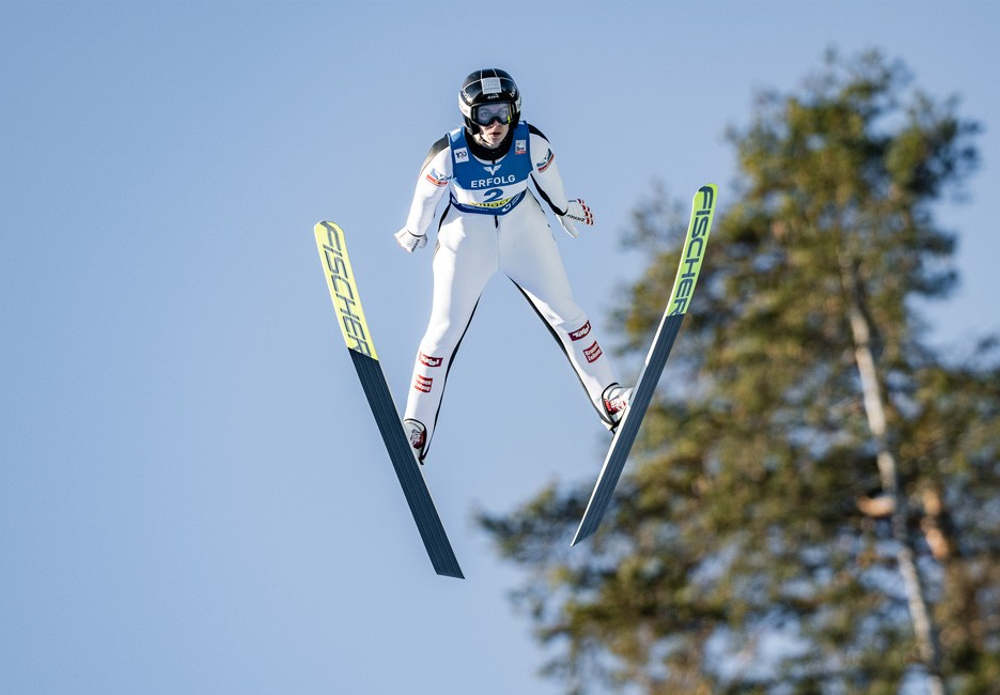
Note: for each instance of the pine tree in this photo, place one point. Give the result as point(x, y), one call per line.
point(813, 505)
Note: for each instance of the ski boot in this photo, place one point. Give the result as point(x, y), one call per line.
point(616, 399)
point(416, 434)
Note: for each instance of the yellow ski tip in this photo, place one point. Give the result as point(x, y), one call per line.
point(343, 287)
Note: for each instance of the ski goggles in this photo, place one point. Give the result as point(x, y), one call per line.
point(484, 114)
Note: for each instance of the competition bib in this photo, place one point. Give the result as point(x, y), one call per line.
point(489, 188)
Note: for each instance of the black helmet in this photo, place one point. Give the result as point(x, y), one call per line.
point(488, 87)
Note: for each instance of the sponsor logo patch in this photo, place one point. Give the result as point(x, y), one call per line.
point(492, 205)
point(494, 181)
point(462, 154)
point(430, 361)
point(491, 85)
point(593, 353)
point(437, 178)
point(423, 384)
point(520, 146)
point(547, 162)
point(580, 333)
point(418, 439)
point(614, 406)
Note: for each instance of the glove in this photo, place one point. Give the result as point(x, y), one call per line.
point(410, 241)
point(576, 211)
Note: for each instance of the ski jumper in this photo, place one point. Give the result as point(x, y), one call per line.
point(494, 223)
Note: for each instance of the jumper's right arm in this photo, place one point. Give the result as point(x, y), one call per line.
point(435, 174)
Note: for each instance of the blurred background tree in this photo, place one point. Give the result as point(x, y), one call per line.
point(813, 504)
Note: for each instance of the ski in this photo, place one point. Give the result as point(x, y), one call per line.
point(702, 212)
point(340, 280)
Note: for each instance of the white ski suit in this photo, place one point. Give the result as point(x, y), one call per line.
point(492, 223)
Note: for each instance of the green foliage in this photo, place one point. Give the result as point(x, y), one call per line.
point(745, 551)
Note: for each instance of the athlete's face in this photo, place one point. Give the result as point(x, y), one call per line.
point(493, 134)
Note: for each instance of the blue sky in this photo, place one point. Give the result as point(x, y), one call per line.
point(193, 496)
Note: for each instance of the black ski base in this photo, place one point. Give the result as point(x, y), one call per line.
point(628, 429)
point(418, 497)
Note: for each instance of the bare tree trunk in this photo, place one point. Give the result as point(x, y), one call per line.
point(923, 625)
